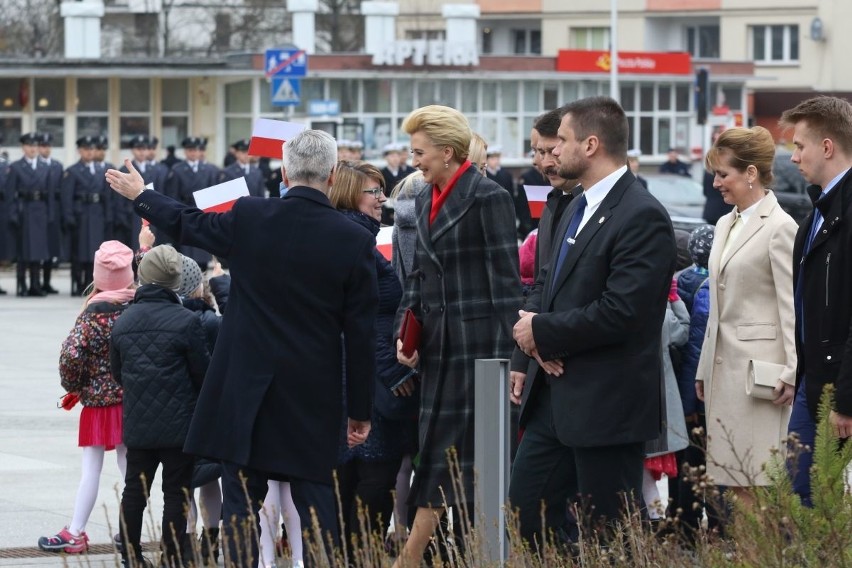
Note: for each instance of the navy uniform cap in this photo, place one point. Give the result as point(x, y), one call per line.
point(192, 142)
point(139, 141)
point(241, 145)
point(102, 142)
point(203, 145)
point(29, 138)
point(45, 139)
point(153, 141)
point(86, 142)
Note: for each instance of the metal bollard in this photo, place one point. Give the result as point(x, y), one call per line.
point(492, 455)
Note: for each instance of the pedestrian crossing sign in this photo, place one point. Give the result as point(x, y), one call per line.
point(285, 91)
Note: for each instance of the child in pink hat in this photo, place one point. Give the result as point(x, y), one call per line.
point(84, 369)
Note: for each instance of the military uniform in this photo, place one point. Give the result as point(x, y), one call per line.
point(253, 175)
point(186, 177)
point(56, 244)
point(86, 214)
point(7, 236)
point(28, 182)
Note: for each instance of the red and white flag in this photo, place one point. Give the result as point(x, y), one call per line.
point(384, 242)
point(537, 198)
point(269, 135)
point(220, 198)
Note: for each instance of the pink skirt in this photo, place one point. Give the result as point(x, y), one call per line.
point(659, 465)
point(100, 426)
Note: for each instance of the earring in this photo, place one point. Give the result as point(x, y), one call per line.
point(750, 187)
point(446, 165)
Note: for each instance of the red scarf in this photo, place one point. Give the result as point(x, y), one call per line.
point(439, 197)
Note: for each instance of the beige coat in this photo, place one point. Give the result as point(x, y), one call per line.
point(751, 317)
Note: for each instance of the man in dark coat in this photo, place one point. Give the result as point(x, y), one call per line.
point(86, 213)
point(55, 241)
point(126, 223)
point(822, 272)
point(28, 184)
point(186, 177)
point(170, 160)
point(242, 167)
point(272, 403)
point(530, 176)
point(596, 310)
point(494, 171)
point(395, 171)
point(714, 204)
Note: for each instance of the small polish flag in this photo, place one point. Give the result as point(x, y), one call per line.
point(537, 197)
point(384, 242)
point(220, 198)
point(269, 135)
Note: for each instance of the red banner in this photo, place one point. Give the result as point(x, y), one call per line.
point(629, 62)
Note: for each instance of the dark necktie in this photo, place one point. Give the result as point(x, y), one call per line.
point(568, 237)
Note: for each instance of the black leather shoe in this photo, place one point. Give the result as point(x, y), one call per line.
point(37, 292)
point(3, 292)
point(48, 289)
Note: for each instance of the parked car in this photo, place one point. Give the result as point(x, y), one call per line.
point(682, 197)
point(790, 186)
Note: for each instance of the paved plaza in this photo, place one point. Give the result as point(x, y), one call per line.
point(39, 457)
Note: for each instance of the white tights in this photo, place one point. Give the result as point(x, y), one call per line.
point(210, 497)
point(651, 495)
point(90, 478)
point(278, 502)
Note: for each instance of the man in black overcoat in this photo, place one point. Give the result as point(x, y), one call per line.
point(591, 396)
point(272, 402)
point(55, 241)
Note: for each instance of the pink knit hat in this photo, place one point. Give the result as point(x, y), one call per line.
point(113, 270)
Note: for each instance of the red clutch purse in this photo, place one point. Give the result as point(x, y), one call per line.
point(68, 401)
point(409, 333)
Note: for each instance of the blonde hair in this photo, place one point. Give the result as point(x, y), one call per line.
point(745, 147)
point(349, 181)
point(443, 126)
point(477, 149)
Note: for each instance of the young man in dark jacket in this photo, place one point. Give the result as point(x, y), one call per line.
point(159, 355)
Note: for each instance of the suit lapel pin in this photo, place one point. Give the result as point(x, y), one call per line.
point(601, 220)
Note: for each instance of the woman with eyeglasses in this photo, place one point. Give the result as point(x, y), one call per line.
point(367, 473)
point(465, 290)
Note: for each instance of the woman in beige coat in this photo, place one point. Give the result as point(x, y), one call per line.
point(751, 312)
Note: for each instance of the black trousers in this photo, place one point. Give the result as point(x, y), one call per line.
point(177, 475)
point(367, 486)
point(550, 474)
point(240, 483)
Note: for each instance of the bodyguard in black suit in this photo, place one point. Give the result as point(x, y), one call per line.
point(271, 405)
point(7, 236)
point(55, 242)
point(591, 397)
point(30, 213)
point(242, 167)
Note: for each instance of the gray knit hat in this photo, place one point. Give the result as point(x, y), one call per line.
point(190, 276)
point(161, 266)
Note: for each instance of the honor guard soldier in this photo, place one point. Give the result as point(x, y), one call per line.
point(242, 167)
point(86, 212)
point(188, 176)
point(158, 170)
point(126, 223)
point(7, 235)
point(56, 244)
point(30, 212)
point(395, 171)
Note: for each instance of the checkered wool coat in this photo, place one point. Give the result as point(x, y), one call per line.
point(465, 289)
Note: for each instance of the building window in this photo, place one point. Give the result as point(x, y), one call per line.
point(13, 95)
point(588, 38)
point(487, 38)
point(702, 42)
point(92, 107)
point(49, 107)
point(439, 35)
point(775, 44)
point(526, 42)
point(135, 112)
point(174, 123)
point(238, 110)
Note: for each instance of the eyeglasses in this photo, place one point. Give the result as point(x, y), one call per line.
point(374, 191)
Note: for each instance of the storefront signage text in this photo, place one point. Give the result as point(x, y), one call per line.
point(423, 52)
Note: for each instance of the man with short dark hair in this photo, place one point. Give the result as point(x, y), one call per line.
point(597, 309)
point(822, 271)
point(673, 165)
point(272, 401)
